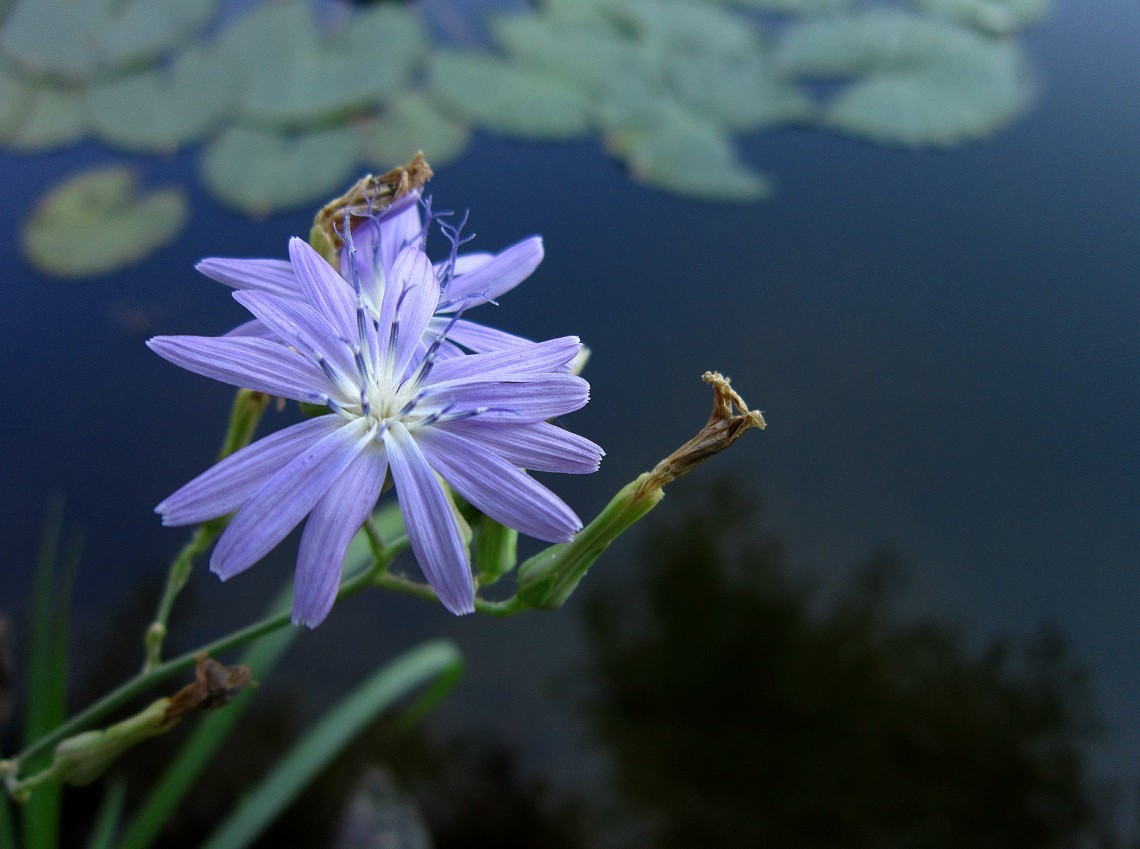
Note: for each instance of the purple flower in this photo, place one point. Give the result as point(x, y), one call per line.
point(403, 401)
point(466, 280)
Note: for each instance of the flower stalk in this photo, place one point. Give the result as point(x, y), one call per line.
point(245, 415)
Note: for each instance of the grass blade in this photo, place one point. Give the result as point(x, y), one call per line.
point(103, 831)
point(439, 659)
point(47, 674)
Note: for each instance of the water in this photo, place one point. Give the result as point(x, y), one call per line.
point(944, 344)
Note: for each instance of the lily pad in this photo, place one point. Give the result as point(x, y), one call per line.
point(15, 100)
point(968, 94)
point(740, 92)
point(671, 24)
point(917, 81)
point(259, 172)
point(797, 7)
point(502, 97)
point(54, 117)
point(97, 222)
point(298, 76)
point(164, 108)
point(997, 17)
point(671, 149)
point(411, 122)
point(81, 40)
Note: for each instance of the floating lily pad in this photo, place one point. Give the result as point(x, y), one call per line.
point(672, 24)
point(917, 81)
point(259, 172)
point(504, 98)
point(797, 7)
point(80, 40)
point(998, 17)
point(968, 94)
point(164, 108)
point(97, 222)
point(591, 53)
point(411, 122)
point(674, 150)
point(298, 76)
point(15, 101)
point(54, 117)
point(738, 91)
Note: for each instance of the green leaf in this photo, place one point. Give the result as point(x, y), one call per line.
point(208, 737)
point(438, 661)
point(53, 117)
point(107, 820)
point(47, 674)
point(97, 222)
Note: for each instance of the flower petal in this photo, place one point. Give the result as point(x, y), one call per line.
point(253, 327)
point(285, 498)
point(303, 328)
point(325, 290)
point(274, 276)
point(330, 528)
point(226, 486)
point(432, 528)
point(500, 490)
point(540, 446)
point(249, 362)
point(417, 293)
point(529, 398)
point(477, 338)
point(498, 275)
point(554, 355)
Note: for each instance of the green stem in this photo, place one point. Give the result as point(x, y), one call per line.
point(145, 680)
point(245, 414)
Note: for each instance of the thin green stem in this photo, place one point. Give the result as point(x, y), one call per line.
point(145, 680)
point(245, 414)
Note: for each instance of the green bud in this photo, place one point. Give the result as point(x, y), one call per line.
point(495, 550)
point(83, 758)
point(547, 579)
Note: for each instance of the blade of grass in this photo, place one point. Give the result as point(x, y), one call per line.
point(107, 820)
point(425, 663)
point(47, 673)
point(7, 830)
point(208, 737)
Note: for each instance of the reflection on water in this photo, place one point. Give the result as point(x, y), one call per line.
point(740, 711)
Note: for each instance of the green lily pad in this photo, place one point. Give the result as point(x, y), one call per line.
point(54, 117)
point(162, 109)
point(997, 17)
point(81, 40)
point(671, 149)
point(966, 94)
point(671, 24)
point(591, 53)
point(740, 92)
point(97, 222)
point(411, 122)
point(797, 7)
point(504, 98)
point(298, 76)
point(15, 101)
point(917, 81)
point(260, 172)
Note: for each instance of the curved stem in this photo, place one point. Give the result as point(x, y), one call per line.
point(147, 679)
point(245, 414)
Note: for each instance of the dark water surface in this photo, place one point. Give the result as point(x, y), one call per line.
point(945, 345)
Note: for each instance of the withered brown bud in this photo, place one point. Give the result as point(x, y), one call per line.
point(215, 684)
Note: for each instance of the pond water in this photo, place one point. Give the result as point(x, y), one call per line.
point(944, 344)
